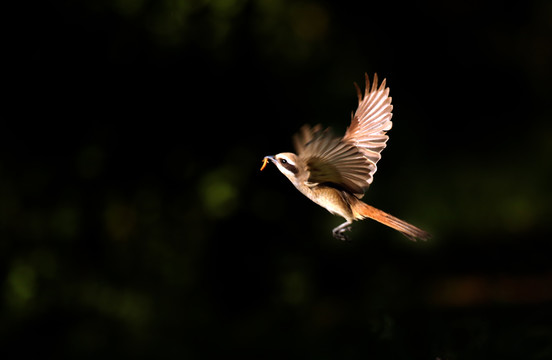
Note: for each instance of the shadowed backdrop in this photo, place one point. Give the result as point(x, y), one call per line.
point(134, 221)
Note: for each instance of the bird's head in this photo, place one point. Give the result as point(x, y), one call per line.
point(287, 163)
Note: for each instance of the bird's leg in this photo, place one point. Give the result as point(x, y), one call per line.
point(339, 232)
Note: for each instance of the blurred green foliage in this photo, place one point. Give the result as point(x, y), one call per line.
point(134, 221)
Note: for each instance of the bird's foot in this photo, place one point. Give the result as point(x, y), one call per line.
point(339, 232)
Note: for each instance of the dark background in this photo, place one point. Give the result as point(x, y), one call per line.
point(135, 222)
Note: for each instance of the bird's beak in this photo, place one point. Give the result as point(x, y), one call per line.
point(265, 161)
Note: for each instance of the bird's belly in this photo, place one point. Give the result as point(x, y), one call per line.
point(331, 200)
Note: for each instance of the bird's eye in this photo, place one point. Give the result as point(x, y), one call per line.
point(288, 165)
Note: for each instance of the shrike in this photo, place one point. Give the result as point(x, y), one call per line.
point(335, 172)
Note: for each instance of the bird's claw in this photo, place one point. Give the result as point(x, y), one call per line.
point(339, 233)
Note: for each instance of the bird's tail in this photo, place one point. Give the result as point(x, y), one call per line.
point(362, 210)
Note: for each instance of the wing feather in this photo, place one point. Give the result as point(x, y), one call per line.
point(331, 160)
point(370, 122)
point(349, 162)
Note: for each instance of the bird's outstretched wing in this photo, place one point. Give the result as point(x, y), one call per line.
point(370, 122)
point(328, 159)
point(349, 162)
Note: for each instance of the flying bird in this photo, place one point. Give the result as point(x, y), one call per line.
point(335, 172)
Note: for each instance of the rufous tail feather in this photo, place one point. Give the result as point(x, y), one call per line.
point(363, 210)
